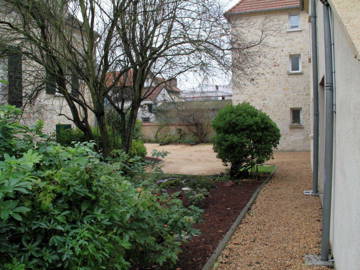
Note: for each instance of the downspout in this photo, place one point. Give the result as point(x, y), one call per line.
point(329, 126)
point(315, 71)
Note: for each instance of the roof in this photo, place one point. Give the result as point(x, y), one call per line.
point(250, 6)
point(155, 92)
point(126, 81)
point(348, 11)
point(122, 81)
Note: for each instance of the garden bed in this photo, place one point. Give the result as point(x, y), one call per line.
point(222, 204)
point(221, 208)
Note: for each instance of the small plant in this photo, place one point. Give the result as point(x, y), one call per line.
point(244, 137)
point(159, 154)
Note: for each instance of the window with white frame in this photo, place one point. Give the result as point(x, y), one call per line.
point(295, 63)
point(295, 114)
point(294, 21)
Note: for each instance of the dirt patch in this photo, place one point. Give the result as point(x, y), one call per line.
point(185, 159)
point(221, 208)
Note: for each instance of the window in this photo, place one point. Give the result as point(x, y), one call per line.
point(150, 108)
point(15, 88)
point(50, 83)
point(145, 119)
point(52, 87)
point(295, 63)
point(295, 116)
point(294, 21)
point(75, 85)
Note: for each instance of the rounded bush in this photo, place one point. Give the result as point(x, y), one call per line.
point(244, 137)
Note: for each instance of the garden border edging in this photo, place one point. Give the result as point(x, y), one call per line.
point(220, 247)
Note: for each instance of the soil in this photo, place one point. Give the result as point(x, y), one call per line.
point(221, 208)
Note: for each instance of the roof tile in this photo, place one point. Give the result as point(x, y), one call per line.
point(244, 6)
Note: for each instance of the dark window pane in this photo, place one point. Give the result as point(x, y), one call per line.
point(75, 85)
point(150, 108)
point(50, 83)
point(145, 119)
point(15, 94)
point(295, 62)
point(295, 116)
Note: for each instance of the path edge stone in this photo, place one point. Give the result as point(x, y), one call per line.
point(222, 244)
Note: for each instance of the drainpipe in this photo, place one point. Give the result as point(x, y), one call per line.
point(329, 126)
point(315, 175)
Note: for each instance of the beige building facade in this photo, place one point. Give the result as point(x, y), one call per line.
point(24, 84)
point(278, 76)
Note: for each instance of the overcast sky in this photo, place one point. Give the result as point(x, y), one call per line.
point(191, 80)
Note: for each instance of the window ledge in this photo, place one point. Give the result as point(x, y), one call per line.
point(296, 126)
point(295, 72)
point(294, 30)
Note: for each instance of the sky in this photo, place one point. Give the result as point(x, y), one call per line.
point(190, 80)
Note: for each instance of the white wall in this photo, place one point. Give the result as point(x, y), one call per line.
point(345, 215)
point(346, 192)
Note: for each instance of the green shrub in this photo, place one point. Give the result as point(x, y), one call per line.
point(244, 137)
point(15, 138)
point(64, 208)
point(69, 137)
point(138, 148)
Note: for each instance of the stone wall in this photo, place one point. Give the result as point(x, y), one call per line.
point(264, 79)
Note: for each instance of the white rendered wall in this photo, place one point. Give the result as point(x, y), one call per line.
point(346, 188)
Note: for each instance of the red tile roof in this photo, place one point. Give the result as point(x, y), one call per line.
point(245, 6)
point(126, 80)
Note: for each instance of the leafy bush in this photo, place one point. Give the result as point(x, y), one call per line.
point(244, 137)
point(69, 137)
point(64, 208)
point(15, 138)
point(138, 148)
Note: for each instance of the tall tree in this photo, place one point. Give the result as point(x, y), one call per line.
point(90, 39)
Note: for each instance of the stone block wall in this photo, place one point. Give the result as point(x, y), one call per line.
point(264, 80)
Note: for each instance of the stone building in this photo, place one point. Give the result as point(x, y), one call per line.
point(26, 84)
point(277, 75)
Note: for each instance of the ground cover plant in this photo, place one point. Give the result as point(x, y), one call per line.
point(245, 137)
point(221, 199)
point(66, 207)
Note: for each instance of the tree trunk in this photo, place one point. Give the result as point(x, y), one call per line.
point(131, 121)
point(104, 135)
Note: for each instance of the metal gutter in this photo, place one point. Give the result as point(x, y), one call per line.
point(315, 71)
point(329, 133)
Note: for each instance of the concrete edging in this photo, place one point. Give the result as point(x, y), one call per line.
point(220, 247)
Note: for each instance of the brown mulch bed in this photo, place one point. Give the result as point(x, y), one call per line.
point(221, 208)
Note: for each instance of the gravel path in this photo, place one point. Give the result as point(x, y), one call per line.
point(185, 159)
point(282, 226)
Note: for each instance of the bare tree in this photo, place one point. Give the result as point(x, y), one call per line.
point(89, 39)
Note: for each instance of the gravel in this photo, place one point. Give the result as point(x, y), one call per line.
point(185, 159)
point(283, 225)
